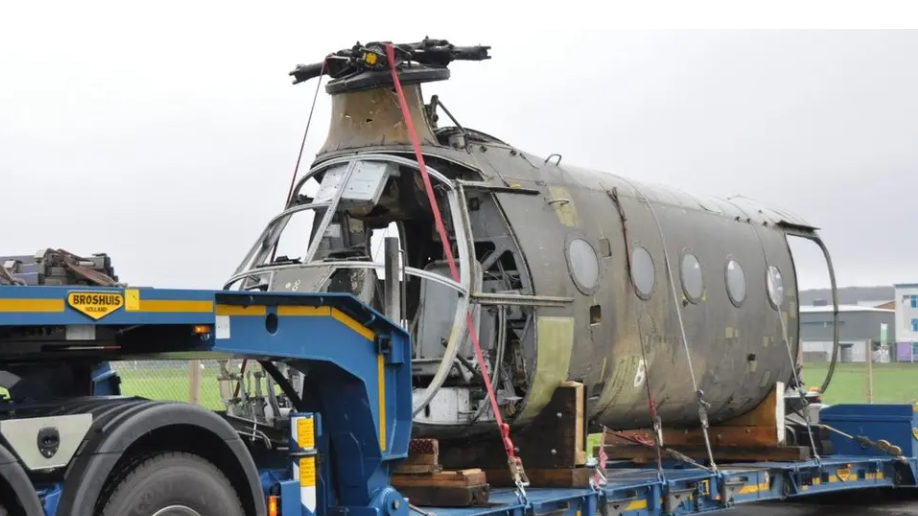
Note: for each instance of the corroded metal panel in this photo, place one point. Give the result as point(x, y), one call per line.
point(373, 117)
point(555, 338)
point(615, 248)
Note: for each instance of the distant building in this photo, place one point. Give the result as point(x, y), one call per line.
point(889, 304)
point(857, 325)
point(907, 322)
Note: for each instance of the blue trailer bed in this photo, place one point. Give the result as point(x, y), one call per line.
point(361, 364)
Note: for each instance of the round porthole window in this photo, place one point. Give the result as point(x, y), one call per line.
point(736, 282)
point(583, 264)
point(775, 283)
point(692, 278)
point(642, 273)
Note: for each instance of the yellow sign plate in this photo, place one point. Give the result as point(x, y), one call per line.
point(307, 472)
point(95, 304)
point(305, 433)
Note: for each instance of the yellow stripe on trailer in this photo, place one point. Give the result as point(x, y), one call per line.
point(304, 311)
point(31, 305)
point(325, 311)
point(134, 303)
point(169, 305)
point(351, 323)
point(242, 310)
point(381, 372)
point(636, 505)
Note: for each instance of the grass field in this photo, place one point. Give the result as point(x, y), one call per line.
point(171, 384)
point(892, 383)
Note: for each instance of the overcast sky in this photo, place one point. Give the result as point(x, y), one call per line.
point(167, 137)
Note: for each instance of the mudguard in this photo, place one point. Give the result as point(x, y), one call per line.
point(15, 477)
point(116, 430)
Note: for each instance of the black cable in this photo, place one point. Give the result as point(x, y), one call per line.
point(285, 385)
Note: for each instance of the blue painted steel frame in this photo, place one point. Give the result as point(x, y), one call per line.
point(359, 358)
point(346, 345)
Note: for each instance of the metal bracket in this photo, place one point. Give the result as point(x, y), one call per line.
point(555, 155)
point(519, 300)
point(619, 506)
point(728, 490)
point(512, 189)
point(674, 498)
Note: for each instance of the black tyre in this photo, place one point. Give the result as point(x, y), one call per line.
point(174, 484)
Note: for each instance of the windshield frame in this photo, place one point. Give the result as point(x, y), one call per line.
point(253, 266)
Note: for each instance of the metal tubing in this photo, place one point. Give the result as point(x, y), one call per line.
point(393, 305)
point(835, 345)
point(811, 235)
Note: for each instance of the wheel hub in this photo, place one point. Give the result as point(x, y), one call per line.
point(176, 510)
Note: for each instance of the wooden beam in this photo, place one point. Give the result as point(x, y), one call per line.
point(421, 478)
point(466, 477)
point(417, 469)
point(764, 426)
point(464, 488)
point(645, 454)
point(725, 436)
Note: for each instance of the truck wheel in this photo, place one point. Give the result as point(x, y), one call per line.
point(174, 484)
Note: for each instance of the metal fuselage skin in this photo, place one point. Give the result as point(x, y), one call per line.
point(616, 342)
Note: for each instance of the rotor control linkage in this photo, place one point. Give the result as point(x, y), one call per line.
point(372, 57)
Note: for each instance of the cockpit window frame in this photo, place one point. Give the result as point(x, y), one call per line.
point(253, 266)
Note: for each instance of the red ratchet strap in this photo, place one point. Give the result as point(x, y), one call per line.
point(516, 466)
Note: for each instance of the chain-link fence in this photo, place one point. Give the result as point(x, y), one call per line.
point(194, 381)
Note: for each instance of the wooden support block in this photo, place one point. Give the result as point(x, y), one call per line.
point(418, 469)
point(721, 436)
point(425, 496)
point(464, 478)
point(465, 488)
point(423, 451)
point(555, 439)
point(762, 427)
point(727, 454)
point(573, 477)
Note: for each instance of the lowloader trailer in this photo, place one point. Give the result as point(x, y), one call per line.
point(339, 440)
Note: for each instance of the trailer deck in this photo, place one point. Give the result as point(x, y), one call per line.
point(50, 323)
point(638, 491)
